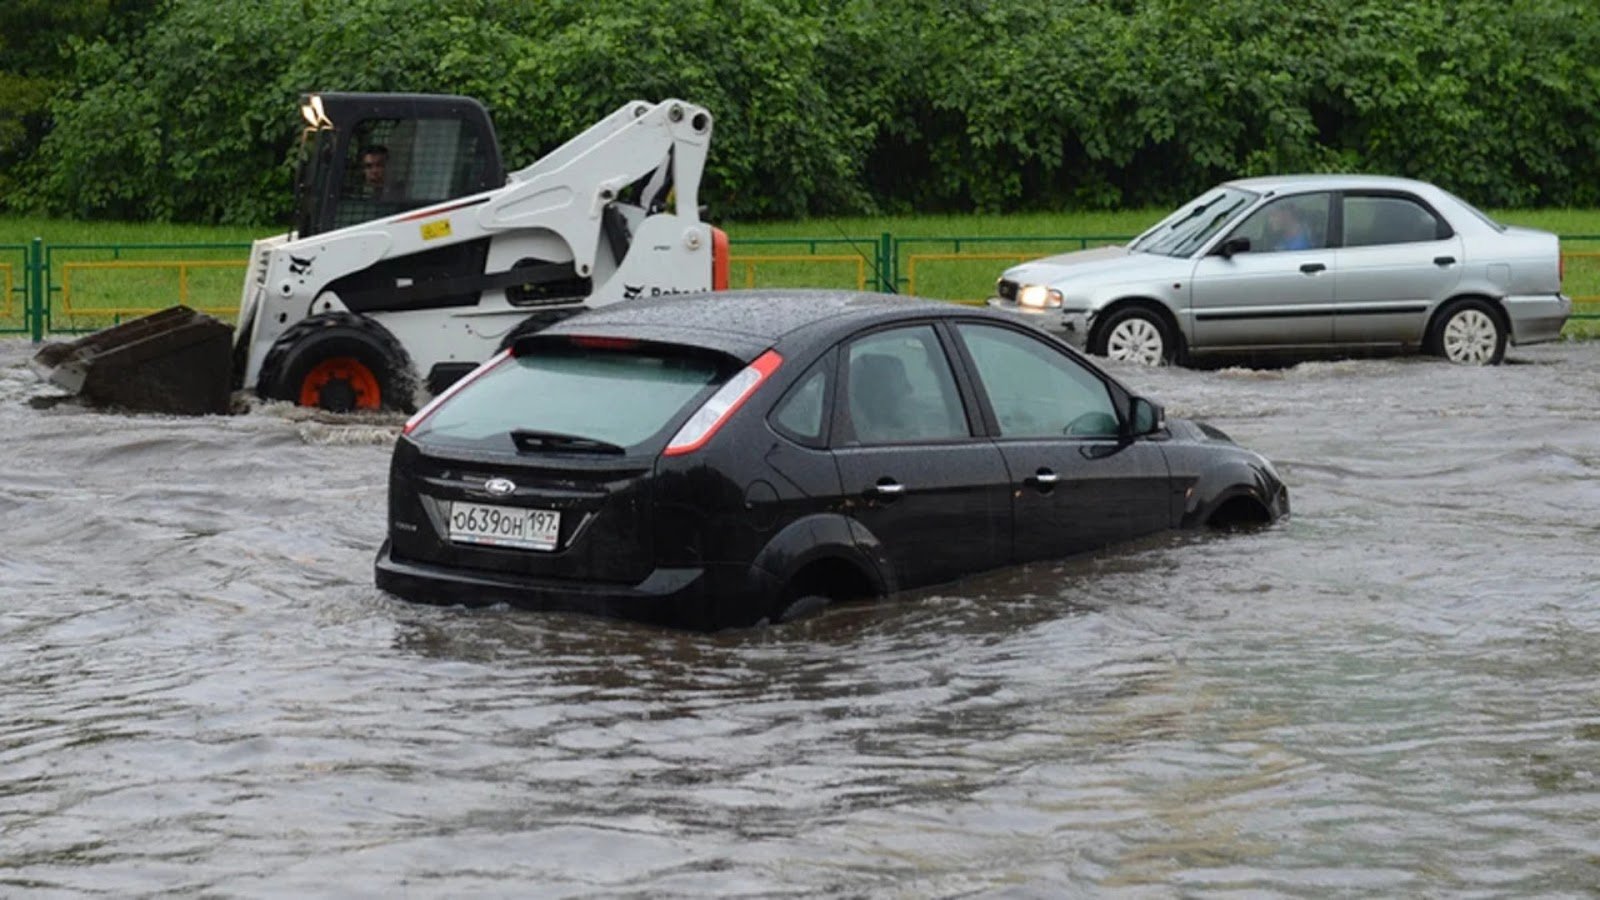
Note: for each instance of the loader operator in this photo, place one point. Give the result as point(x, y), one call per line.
point(374, 159)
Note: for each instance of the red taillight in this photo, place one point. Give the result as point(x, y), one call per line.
point(707, 419)
point(463, 381)
point(719, 259)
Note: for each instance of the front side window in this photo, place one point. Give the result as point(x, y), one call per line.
point(1035, 389)
point(900, 388)
point(620, 396)
point(1292, 223)
point(1372, 220)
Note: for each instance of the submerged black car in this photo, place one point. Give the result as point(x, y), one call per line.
point(723, 459)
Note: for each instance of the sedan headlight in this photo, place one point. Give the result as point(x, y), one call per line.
point(1038, 296)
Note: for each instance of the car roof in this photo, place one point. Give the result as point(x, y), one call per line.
point(745, 322)
point(1265, 184)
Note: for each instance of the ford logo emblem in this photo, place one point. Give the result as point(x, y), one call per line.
point(499, 487)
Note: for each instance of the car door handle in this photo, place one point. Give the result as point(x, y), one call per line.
point(888, 488)
point(1312, 268)
point(1444, 260)
point(1043, 478)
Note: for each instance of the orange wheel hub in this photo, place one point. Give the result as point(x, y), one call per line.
point(338, 380)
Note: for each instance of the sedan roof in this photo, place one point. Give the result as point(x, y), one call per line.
point(744, 323)
point(1332, 182)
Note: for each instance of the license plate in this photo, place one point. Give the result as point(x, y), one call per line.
point(504, 526)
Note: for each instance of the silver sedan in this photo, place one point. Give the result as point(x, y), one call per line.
point(1301, 262)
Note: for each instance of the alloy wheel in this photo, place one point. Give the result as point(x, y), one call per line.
point(1470, 338)
point(1136, 340)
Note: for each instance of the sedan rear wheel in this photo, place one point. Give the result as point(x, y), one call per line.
point(1136, 335)
point(1471, 334)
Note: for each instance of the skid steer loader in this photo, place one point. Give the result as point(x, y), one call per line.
point(415, 256)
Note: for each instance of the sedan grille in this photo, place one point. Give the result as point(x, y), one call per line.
point(1007, 290)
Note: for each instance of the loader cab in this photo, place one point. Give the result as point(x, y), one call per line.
point(370, 156)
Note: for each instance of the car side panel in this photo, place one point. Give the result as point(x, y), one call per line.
point(1283, 298)
point(1385, 293)
point(1105, 491)
point(951, 517)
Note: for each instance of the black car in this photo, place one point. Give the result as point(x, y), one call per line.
point(723, 459)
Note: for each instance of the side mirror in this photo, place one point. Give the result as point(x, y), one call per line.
point(1233, 245)
point(1145, 417)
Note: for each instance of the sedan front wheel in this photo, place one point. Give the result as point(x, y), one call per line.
point(1137, 335)
point(1470, 333)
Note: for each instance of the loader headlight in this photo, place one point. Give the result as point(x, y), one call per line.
point(1038, 296)
point(313, 113)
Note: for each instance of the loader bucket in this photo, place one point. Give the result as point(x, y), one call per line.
point(175, 361)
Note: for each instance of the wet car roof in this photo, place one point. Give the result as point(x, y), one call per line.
point(1267, 183)
point(742, 322)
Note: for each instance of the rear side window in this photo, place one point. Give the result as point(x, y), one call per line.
point(620, 395)
point(900, 389)
point(799, 415)
point(1375, 220)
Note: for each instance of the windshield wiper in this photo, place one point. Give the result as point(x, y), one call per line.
point(534, 441)
point(1198, 211)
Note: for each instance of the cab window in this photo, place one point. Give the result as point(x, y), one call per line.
point(393, 165)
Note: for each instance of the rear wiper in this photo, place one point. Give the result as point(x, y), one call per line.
point(533, 441)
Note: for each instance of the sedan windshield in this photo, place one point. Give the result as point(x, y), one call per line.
point(1182, 233)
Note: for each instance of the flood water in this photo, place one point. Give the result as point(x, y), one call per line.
point(1394, 693)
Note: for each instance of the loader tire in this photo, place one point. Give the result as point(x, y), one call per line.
point(339, 362)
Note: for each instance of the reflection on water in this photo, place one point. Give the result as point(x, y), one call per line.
point(1393, 693)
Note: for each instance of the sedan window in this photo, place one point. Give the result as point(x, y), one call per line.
point(900, 388)
point(1035, 389)
point(1372, 220)
point(1299, 222)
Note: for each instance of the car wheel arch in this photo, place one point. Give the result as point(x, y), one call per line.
point(826, 554)
point(1096, 331)
point(1236, 481)
point(1240, 508)
point(1433, 334)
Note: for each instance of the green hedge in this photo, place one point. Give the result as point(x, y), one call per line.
point(859, 106)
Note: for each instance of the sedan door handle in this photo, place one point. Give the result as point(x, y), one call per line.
point(1312, 268)
point(1043, 478)
point(887, 488)
point(1444, 260)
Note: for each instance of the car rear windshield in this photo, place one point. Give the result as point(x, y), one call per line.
point(583, 395)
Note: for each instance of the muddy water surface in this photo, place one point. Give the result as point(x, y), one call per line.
point(1397, 692)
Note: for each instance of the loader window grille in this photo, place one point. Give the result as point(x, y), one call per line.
point(395, 165)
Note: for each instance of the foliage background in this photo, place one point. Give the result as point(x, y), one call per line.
point(185, 110)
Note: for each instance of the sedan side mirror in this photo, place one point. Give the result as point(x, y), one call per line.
point(1234, 245)
point(1145, 417)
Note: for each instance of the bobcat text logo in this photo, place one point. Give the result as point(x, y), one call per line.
point(634, 291)
point(301, 265)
